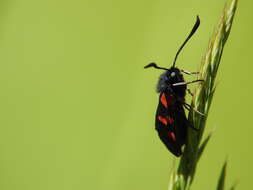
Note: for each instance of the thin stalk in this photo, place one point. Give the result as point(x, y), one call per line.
point(202, 100)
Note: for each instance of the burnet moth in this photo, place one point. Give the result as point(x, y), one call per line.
point(170, 120)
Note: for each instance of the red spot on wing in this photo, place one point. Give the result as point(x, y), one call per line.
point(163, 100)
point(166, 120)
point(170, 120)
point(163, 120)
point(166, 100)
point(172, 135)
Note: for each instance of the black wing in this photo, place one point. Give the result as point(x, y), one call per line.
point(171, 123)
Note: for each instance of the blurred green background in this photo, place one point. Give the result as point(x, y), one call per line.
point(77, 108)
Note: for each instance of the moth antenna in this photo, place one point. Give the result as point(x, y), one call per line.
point(195, 27)
point(155, 66)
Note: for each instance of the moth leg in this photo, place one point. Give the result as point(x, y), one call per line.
point(185, 83)
point(190, 124)
point(185, 106)
point(188, 72)
point(189, 91)
point(188, 107)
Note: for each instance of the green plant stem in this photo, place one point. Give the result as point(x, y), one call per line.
point(202, 100)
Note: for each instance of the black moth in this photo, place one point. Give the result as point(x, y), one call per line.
point(170, 120)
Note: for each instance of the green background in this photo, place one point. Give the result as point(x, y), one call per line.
point(77, 108)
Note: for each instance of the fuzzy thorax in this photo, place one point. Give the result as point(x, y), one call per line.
point(166, 81)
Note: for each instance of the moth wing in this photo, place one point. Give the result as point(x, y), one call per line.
point(171, 123)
